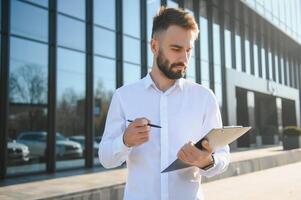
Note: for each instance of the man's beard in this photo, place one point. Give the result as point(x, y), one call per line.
point(166, 68)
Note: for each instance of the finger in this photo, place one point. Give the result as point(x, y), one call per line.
point(144, 136)
point(142, 129)
point(206, 145)
point(141, 122)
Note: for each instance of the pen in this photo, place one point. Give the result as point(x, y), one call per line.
point(151, 125)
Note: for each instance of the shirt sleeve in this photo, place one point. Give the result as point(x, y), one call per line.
point(112, 151)
point(213, 120)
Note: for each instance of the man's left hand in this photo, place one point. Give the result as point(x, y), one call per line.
point(191, 155)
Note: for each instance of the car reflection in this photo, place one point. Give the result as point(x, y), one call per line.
point(17, 153)
point(37, 141)
point(81, 139)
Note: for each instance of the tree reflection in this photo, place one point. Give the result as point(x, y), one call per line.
point(28, 84)
point(70, 113)
point(28, 97)
point(102, 102)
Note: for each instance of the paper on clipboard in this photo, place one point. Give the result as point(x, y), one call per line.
point(217, 138)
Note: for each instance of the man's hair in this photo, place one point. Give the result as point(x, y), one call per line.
point(173, 16)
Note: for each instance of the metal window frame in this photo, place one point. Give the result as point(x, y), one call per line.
point(52, 76)
point(4, 85)
point(89, 103)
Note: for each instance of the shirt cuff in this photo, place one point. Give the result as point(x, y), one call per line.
point(119, 146)
point(216, 162)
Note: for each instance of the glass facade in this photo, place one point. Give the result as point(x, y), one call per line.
point(101, 50)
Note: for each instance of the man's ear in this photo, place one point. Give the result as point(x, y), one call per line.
point(154, 46)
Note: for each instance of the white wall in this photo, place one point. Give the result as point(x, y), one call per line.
point(249, 82)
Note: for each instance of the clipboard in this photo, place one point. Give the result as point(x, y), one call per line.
point(217, 138)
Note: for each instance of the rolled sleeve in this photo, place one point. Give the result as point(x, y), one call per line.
point(112, 151)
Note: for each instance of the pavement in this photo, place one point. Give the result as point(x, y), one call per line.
point(266, 173)
point(277, 183)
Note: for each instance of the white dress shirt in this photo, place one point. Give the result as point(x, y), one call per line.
point(186, 112)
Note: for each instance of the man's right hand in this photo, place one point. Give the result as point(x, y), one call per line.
point(137, 132)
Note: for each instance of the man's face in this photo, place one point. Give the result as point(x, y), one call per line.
point(174, 49)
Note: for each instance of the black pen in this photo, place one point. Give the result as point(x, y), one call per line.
point(151, 125)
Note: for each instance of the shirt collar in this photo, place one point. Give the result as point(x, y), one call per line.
point(148, 81)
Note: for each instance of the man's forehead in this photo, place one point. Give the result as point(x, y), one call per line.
point(179, 36)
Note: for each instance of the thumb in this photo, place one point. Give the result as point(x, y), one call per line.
point(206, 146)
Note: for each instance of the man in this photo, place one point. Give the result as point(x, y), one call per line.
point(186, 111)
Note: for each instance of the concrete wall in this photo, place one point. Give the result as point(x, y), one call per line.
point(252, 83)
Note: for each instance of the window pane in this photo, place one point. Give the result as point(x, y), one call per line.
point(71, 33)
point(131, 50)
point(204, 38)
point(104, 13)
point(131, 17)
point(172, 4)
point(104, 42)
point(238, 52)
point(228, 54)
point(70, 111)
point(74, 8)
point(131, 73)
point(218, 94)
point(152, 8)
point(39, 2)
point(191, 69)
point(247, 54)
point(29, 21)
point(256, 66)
point(263, 65)
point(104, 86)
point(27, 120)
point(216, 45)
point(28, 72)
point(205, 71)
point(270, 66)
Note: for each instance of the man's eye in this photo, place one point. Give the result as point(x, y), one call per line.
point(176, 50)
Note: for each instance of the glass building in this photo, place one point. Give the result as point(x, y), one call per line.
point(61, 61)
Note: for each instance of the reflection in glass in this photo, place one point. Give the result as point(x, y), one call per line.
point(28, 72)
point(191, 69)
point(218, 94)
point(29, 21)
point(152, 8)
point(131, 50)
point(270, 66)
point(238, 52)
point(263, 65)
point(28, 105)
point(205, 72)
point(216, 45)
point(131, 17)
point(75, 8)
point(131, 73)
point(204, 38)
point(228, 54)
point(256, 66)
point(70, 111)
point(282, 70)
point(104, 13)
point(104, 86)
point(104, 42)
point(276, 69)
point(71, 33)
point(247, 57)
point(39, 2)
point(172, 4)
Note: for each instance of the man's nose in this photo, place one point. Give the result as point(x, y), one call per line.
point(185, 57)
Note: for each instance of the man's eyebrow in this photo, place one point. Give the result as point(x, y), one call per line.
point(176, 46)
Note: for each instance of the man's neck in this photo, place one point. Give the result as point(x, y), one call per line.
point(162, 82)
